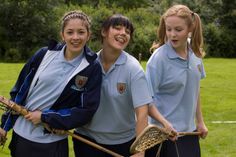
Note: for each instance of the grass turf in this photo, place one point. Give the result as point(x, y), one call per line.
point(218, 97)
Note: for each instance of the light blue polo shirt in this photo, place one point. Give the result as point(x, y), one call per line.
point(48, 84)
point(175, 84)
point(124, 88)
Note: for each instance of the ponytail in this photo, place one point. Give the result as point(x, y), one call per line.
point(197, 37)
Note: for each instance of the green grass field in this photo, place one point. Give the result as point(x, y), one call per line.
point(218, 97)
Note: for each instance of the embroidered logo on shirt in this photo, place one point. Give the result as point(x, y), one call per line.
point(80, 81)
point(121, 87)
point(199, 68)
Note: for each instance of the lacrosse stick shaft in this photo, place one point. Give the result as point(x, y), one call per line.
point(93, 144)
point(22, 111)
point(188, 133)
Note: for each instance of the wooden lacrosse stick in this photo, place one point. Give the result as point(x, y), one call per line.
point(151, 136)
point(22, 111)
point(3, 139)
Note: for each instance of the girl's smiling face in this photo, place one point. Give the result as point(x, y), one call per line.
point(75, 35)
point(117, 37)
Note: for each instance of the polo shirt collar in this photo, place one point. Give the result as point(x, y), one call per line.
point(74, 61)
point(171, 53)
point(120, 60)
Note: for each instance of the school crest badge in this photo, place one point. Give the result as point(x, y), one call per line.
point(121, 87)
point(80, 81)
point(199, 68)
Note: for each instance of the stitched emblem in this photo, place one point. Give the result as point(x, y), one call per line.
point(80, 81)
point(199, 68)
point(121, 87)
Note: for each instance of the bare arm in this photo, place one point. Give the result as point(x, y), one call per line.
point(201, 127)
point(155, 114)
point(142, 118)
point(141, 123)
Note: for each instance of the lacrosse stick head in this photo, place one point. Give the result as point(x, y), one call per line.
point(2, 104)
point(15, 108)
point(3, 141)
point(149, 137)
point(2, 107)
point(3, 137)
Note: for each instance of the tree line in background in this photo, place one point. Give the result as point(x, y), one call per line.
point(27, 25)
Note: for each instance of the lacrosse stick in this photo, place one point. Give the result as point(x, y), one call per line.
point(4, 102)
point(3, 139)
point(151, 136)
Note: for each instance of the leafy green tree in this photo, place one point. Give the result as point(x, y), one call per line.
point(228, 12)
point(127, 4)
point(227, 23)
point(26, 25)
point(219, 19)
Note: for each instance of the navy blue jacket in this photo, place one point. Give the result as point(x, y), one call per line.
point(73, 108)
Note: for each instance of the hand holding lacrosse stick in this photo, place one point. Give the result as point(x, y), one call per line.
point(3, 137)
point(34, 117)
point(8, 104)
point(173, 135)
point(140, 154)
point(201, 127)
point(153, 135)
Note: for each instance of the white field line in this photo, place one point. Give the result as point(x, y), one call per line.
point(223, 122)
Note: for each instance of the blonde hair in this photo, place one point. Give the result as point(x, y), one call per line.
point(193, 21)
